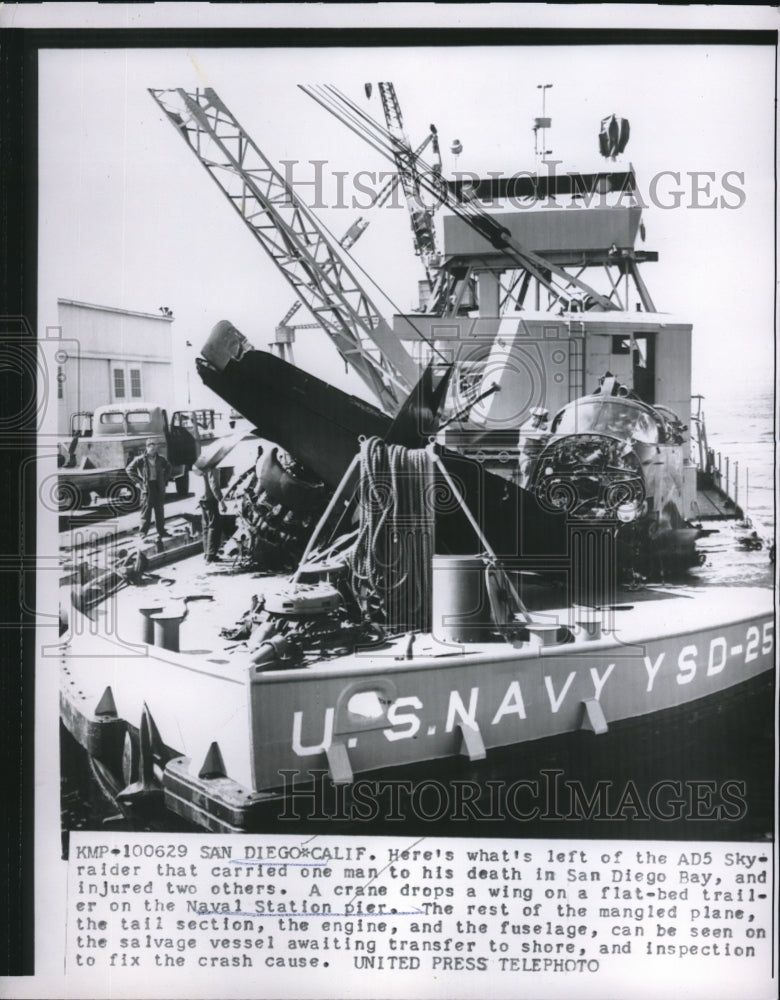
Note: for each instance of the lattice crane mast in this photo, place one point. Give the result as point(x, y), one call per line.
point(294, 239)
point(285, 331)
point(406, 161)
point(568, 289)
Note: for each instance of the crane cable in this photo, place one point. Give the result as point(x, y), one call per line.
point(465, 204)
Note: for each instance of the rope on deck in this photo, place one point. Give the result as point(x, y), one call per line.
point(390, 565)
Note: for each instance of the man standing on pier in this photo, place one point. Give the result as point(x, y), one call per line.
point(151, 472)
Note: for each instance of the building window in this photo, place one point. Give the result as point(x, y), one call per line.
point(119, 383)
point(60, 380)
point(135, 383)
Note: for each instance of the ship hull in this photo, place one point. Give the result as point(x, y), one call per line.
point(279, 730)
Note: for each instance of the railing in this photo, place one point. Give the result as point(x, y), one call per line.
point(711, 466)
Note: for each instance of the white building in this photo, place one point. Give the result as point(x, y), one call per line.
point(120, 356)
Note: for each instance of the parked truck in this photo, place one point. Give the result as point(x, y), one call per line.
point(94, 458)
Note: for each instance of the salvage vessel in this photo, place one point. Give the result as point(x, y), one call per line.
point(511, 548)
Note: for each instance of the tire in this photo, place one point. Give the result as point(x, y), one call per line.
point(183, 484)
point(123, 498)
point(68, 497)
point(131, 756)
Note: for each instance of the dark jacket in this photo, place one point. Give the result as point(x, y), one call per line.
point(212, 491)
point(138, 470)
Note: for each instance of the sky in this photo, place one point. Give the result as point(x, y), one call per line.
point(129, 218)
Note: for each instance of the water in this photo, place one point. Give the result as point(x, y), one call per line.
point(740, 424)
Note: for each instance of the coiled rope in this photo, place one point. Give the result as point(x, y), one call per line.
point(390, 564)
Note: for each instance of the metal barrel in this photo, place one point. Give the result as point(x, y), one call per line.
point(461, 609)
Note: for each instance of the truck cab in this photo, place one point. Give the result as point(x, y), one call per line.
point(102, 444)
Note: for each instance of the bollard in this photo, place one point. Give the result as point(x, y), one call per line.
point(166, 631)
point(546, 632)
point(590, 628)
point(146, 633)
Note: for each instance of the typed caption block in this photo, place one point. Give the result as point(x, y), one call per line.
point(435, 911)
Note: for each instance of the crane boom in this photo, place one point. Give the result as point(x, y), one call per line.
point(295, 240)
point(358, 227)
